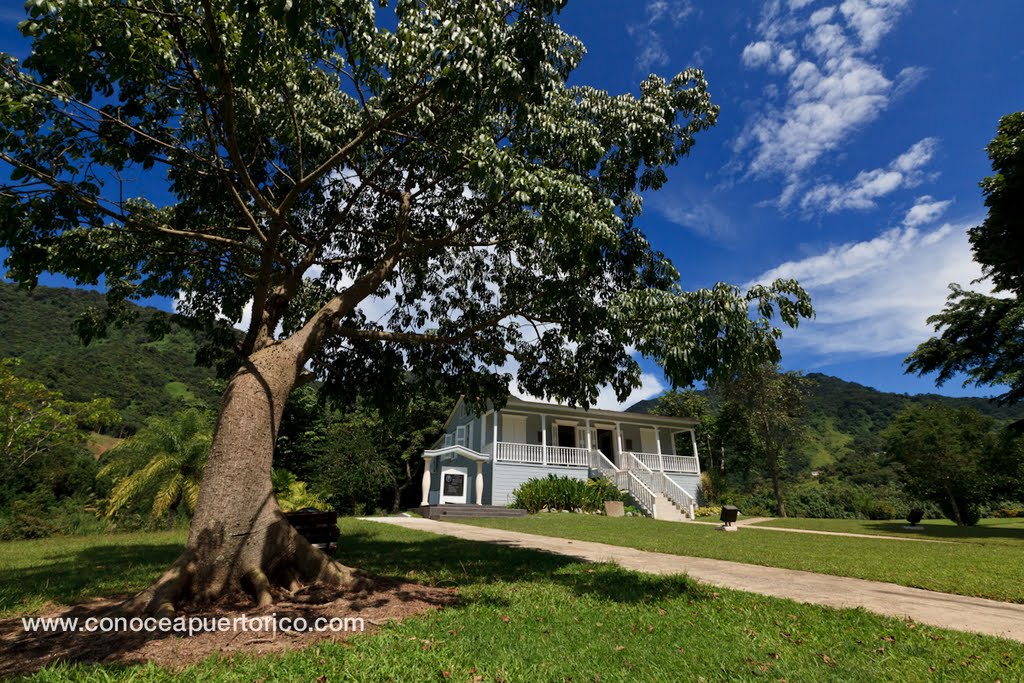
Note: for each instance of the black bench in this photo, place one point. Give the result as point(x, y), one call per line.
point(319, 528)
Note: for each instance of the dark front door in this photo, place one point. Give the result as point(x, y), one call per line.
point(604, 443)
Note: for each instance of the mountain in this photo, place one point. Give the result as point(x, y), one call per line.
point(144, 375)
point(841, 413)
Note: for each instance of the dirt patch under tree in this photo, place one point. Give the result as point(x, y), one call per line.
point(22, 651)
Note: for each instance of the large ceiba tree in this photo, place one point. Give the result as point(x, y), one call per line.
point(318, 153)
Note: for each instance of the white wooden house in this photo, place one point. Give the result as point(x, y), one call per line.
point(482, 459)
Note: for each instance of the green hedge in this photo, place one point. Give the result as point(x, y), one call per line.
point(831, 500)
point(555, 492)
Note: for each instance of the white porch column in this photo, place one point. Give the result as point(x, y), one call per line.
point(479, 482)
point(483, 431)
point(693, 442)
point(544, 438)
point(657, 441)
point(590, 446)
point(427, 462)
point(618, 435)
point(494, 449)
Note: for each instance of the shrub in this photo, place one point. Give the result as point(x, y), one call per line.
point(1006, 509)
point(708, 511)
point(970, 513)
point(706, 492)
point(555, 492)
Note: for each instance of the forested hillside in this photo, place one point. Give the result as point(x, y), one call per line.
point(842, 413)
point(144, 374)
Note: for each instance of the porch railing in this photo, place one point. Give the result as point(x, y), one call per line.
point(683, 464)
point(640, 492)
point(657, 481)
point(535, 454)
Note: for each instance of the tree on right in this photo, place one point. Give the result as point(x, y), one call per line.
point(982, 336)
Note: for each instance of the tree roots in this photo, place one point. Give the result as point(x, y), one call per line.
point(201, 575)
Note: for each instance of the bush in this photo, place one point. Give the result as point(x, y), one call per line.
point(1006, 509)
point(970, 513)
point(38, 516)
point(555, 492)
point(708, 511)
point(707, 492)
point(828, 498)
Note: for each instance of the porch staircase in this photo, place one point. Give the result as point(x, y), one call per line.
point(654, 492)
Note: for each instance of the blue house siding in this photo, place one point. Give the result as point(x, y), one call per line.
point(508, 477)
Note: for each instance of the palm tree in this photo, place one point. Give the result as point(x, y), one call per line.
point(161, 465)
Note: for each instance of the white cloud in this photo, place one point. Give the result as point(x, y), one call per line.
point(916, 157)
point(650, 386)
point(872, 18)
point(648, 36)
point(687, 209)
point(833, 83)
point(926, 210)
point(868, 186)
point(822, 15)
point(873, 298)
point(757, 54)
point(701, 55)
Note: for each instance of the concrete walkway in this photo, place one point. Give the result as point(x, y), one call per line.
point(927, 607)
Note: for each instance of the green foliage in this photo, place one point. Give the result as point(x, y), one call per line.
point(708, 511)
point(160, 467)
point(980, 334)
point(293, 494)
point(49, 477)
point(557, 493)
point(947, 455)
point(441, 152)
point(357, 456)
point(141, 374)
point(34, 419)
point(762, 420)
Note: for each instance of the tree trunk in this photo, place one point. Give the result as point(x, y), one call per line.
point(239, 540)
point(400, 487)
point(172, 514)
point(956, 508)
point(777, 487)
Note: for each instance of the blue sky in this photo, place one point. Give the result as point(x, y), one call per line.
point(847, 154)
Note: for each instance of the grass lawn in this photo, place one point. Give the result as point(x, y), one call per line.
point(991, 570)
point(73, 569)
point(1009, 532)
point(531, 616)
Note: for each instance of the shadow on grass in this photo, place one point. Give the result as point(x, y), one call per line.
point(448, 561)
point(99, 570)
point(394, 555)
point(950, 532)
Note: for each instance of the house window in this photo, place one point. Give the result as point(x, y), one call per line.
point(567, 436)
point(513, 428)
point(447, 440)
point(460, 436)
point(629, 444)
